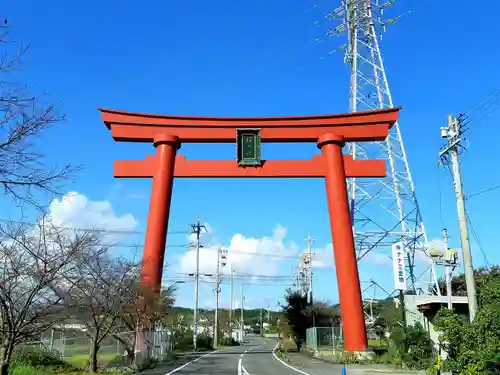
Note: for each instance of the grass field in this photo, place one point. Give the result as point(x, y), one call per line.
point(29, 370)
point(79, 363)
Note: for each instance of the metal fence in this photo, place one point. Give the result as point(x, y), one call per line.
point(328, 339)
point(75, 346)
point(75, 343)
point(324, 338)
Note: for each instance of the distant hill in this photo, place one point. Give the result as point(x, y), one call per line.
point(251, 316)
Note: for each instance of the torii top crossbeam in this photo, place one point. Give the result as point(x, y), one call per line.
point(354, 127)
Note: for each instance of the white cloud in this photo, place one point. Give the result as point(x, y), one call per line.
point(247, 255)
point(72, 211)
point(75, 210)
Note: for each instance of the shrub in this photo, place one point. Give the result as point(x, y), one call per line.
point(229, 341)
point(147, 364)
point(38, 357)
point(204, 342)
point(419, 353)
point(288, 345)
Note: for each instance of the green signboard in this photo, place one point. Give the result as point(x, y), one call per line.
point(248, 145)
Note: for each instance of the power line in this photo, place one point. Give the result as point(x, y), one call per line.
point(236, 275)
point(271, 57)
point(481, 109)
point(469, 196)
point(97, 230)
point(118, 245)
point(253, 253)
point(476, 237)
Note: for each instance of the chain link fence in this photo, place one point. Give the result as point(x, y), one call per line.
point(75, 346)
point(329, 339)
point(324, 338)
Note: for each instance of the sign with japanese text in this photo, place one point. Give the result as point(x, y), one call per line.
point(398, 259)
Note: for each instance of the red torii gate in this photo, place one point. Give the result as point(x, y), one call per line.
point(330, 132)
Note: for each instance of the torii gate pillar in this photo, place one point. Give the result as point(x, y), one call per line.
point(343, 242)
point(159, 210)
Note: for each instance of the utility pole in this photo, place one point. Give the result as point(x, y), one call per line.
point(447, 270)
point(453, 133)
point(221, 262)
point(196, 230)
point(231, 301)
point(261, 322)
point(308, 262)
point(242, 318)
point(309, 241)
point(268, 306)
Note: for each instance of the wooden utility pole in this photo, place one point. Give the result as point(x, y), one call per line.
point(261, 322)
point(453, 134)
point(196, 229)
point(231, 301)
point(221, 262)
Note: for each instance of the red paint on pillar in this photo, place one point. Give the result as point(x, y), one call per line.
point(159, 211)
point(351, 305)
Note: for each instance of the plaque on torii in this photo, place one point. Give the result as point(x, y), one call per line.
point(329, 132)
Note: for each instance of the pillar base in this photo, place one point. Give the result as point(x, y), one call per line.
point(341, 356)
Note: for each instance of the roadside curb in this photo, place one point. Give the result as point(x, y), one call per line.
point(368, 368)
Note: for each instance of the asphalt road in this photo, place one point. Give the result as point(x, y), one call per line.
point(257, 358)
point(253, 358)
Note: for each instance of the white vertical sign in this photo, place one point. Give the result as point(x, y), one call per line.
point(398, 259)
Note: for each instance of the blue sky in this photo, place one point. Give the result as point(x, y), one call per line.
point(257, 58)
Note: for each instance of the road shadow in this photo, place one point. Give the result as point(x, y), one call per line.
point(219, 362)
point(214, 364)
point(166, 367)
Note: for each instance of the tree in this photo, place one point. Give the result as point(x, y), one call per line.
point(474, 348)
point(324, 315)
point(458, 286)
point(301, 315)
point(24, 118)
point(296, 314)
point(34, 263)
point(146, 309)
point(101, 286)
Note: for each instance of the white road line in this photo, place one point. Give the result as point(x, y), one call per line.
point(188, 363)
point(286, 364)
point(241, 369)
point(239, 366)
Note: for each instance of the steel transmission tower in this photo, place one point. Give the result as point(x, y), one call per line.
point(384, 211)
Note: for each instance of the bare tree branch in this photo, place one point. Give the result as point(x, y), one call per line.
point(24, 118)
point(101, 286)
point(34, 262)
